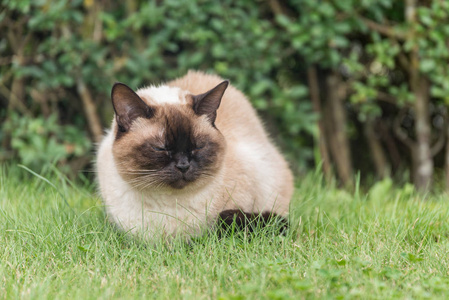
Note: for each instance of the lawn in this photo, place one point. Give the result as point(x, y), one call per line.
point(386, 242)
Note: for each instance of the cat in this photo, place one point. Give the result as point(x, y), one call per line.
point(181, 154)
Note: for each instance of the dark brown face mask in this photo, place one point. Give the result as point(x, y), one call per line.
point(183, 152)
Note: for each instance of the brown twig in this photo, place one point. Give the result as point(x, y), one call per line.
point(399, 132)
point(314, 92)
point(90, 110)
point(277, 8)
point(385, 97)
point(383, 29)
point(13, 100)
point(439, 144)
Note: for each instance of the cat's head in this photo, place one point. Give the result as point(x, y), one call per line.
point(163, 143)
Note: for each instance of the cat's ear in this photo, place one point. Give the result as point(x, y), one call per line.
point(208, 103)
point(128, 106)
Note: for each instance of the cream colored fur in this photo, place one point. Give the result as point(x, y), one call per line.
point(254, 177)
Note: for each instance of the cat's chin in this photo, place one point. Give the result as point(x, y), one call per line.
point(188, 183)
point(179, 184)
point(185, 182)
point(182, 181)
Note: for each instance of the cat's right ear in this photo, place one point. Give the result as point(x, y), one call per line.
point(208, 103)
point(128, 106)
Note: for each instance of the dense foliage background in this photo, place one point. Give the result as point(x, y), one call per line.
point(347, 86)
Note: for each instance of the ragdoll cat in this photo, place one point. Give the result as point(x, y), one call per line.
point(181, 154)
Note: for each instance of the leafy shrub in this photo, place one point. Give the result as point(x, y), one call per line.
point(58, 57)
point(38, 141)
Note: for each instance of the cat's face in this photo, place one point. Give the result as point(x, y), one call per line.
point(170, 145)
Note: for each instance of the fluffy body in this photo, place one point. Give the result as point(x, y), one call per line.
point(250, 175)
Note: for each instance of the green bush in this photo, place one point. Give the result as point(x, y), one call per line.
point(60, 56)
point(37, 141)
point(143, 42)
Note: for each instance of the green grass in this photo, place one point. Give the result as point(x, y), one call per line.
point(383, 243)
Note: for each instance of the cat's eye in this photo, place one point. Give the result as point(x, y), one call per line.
point(159, 148)
point(199, 148)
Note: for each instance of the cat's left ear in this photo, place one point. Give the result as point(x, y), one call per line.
point(128, 106)
point(208, 103)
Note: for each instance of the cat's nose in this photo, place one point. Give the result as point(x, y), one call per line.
point(183, 166)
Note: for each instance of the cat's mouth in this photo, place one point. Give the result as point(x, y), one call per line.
point(183, 181)
point(179, 184)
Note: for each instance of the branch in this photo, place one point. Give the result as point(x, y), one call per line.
point(314, 92)
point(275, 7)
point(436, 148)
point(278, 9)
point(388, 98)
point(404, 61)
point(90, 110)
point(390, 143)
point(400, 133)
point(13, 100)
point(383, 29)
point(385, 97)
